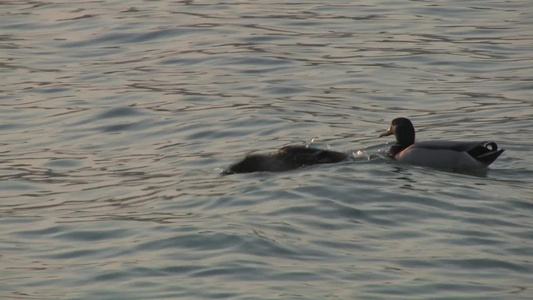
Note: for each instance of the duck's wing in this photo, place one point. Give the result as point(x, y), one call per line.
point(458, 146)
point(484, 153)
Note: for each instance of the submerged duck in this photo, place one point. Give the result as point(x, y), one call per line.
point(285, 159)
point(438, 154)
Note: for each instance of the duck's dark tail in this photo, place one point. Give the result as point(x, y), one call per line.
point(486, 152)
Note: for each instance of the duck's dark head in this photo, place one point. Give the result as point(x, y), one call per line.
point(403, 130)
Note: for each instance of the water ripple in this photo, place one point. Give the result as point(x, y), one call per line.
point(116, 118)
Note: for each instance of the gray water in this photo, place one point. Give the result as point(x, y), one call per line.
point(116, 118)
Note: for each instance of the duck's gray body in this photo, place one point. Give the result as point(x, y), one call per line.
point(438, 154)
point(449, 154)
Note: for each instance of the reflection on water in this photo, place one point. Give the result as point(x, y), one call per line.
point(114, 117)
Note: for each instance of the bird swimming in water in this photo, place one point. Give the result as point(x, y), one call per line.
point(439, 154)
point(285, 159)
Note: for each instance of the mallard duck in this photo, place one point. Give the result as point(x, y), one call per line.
point(285, 159)
point(438, 154)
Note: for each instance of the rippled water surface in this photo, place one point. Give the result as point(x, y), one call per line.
point(116, 118)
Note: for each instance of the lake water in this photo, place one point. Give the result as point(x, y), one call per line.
point(116, 118)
